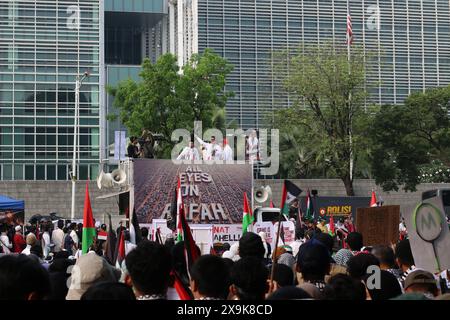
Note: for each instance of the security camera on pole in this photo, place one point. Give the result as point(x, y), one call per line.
point(78, 83)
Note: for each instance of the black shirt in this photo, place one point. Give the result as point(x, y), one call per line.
point(133, 151)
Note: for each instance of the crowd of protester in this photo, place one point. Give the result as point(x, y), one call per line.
point(44, 262)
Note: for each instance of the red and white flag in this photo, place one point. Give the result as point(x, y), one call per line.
point(349, 29)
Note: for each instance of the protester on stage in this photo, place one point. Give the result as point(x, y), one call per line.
point(149, 267)
point(210, 278)
point(249, 279)
point(133, 149)
point(227, 154)
point(253, 146)
point(18, 241)
point(189, 153)
point(213, 151)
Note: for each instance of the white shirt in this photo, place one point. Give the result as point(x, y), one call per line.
point(74, 236)
point(253, 147)
point(6, 245)
point(210, 147)
point(45, 244)
point(27, 250)
point(128, 247)
point(57, 239)
point(189, 153)
point(227, 154)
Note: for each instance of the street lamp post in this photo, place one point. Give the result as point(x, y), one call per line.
point(78, 82)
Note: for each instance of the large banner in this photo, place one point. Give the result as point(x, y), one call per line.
point(212, 194)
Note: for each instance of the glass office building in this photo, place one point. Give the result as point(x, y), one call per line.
point(411, 38)
point(43, 46)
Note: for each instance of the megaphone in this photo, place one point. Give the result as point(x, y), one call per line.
point(104, 180)
point(262, 194)
point(119, 176)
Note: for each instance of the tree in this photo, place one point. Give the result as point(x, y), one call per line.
point(410, 139)
point(329, 95)
point(166, 99)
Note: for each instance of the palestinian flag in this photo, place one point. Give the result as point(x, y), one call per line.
point(111, 243)
point(135, 230)
point(179, 205)
point(289, 193)
point(89, 232)
point(171, 220)
point(247, 217)
point(190, 249)
point(309, 207)
point(183, 291)
point(332, 230)
point(158, 236)
point(120, 255)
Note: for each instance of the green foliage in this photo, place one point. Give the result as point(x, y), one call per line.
point(165, 100)
point(435, 172)
point(407, 138)
point(326, 126)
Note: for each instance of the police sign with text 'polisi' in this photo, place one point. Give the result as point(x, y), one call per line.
point(339, 207)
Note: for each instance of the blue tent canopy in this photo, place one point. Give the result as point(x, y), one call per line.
point(11, 204)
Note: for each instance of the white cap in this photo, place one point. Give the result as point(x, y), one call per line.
point(18, 228)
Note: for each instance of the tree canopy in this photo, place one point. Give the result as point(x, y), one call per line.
point(410, 139)
point(166, 99)
point(329, 93)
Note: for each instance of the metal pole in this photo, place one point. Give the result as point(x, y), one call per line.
point(75, 135)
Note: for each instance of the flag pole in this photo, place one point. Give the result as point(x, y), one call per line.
point(349, 40)
point(272, 272)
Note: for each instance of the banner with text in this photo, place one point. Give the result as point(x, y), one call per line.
point(212, 194)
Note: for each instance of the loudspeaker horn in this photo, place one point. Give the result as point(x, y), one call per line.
point(262, 194)
point(119, 176)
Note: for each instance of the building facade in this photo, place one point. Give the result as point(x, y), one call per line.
point(44, 45)
point(410, 37)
